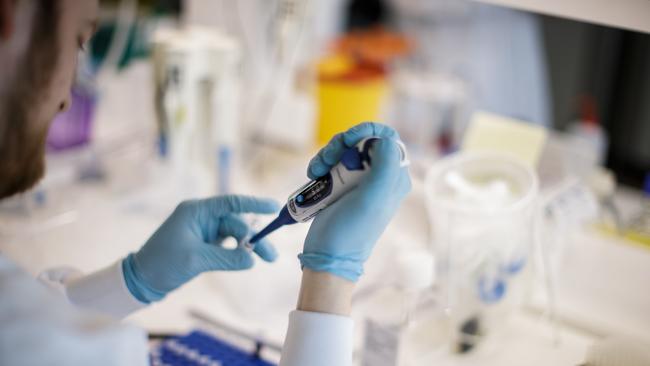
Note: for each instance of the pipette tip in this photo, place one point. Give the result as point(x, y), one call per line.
point(246, 243)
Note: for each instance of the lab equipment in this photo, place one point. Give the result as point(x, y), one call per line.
point(584, 145)
point(197, 105)
point(587, 135)
point(427, 109)
point(202, 349)
point(639, 229)
point(315, 196)
point(72, 129)
point(393, 308)
point(190, 241)
point(348, 91)
point(278, 39)
point(618, 351)
point(281, 85)
point(466, 39)
point(221, 327)
point(564, 209)
point(353, 81)
point(481, 207)
point(492, 132)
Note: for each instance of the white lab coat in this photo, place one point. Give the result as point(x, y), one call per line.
point(39, 326)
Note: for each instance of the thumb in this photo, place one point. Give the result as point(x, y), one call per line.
point(221, 259)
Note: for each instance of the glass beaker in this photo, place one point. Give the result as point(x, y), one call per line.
point(481, 208)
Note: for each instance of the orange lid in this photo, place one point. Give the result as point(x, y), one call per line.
point(342, 67)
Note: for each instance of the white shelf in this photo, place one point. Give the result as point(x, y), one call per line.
point(626, 14)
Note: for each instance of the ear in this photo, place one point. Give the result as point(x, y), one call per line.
point(6, 18)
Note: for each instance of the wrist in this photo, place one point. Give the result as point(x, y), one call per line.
point(323, 292)
point(136, 285)
point(348, 268)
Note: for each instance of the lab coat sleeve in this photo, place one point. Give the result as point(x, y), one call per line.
point(104, 291)
point(317, 339)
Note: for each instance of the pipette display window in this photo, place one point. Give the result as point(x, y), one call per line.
point(314, 192)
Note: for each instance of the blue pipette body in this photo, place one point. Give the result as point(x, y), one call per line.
point(305, 203)
point(284, 218)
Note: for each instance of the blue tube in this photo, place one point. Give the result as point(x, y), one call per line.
point(284, 218)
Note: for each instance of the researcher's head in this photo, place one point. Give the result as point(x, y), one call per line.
point(39, 45)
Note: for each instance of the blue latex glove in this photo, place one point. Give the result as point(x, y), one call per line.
point(342, 237)
point(189, 243)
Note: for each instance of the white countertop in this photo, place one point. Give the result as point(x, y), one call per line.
point(92, 224)
point(102, 229)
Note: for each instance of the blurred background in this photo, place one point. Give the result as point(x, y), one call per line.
point(178, 99)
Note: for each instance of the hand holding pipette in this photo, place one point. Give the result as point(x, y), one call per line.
point(359, 180)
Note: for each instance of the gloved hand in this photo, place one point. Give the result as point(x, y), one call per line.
point(189, 243)
point(342, 237)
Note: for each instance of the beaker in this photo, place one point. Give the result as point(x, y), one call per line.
point(481, 208)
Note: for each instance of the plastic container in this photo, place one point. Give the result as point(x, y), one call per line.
point(73, 128)
point(587, 141)
point(482, 208)
point(428, 110)
point(348, 94)
point(639, 228)
point(394, 309)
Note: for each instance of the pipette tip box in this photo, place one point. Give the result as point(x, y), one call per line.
point(202, 349)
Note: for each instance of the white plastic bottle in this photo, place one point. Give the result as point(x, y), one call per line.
point(587, 140)
point(639, 228)
point(394, 308)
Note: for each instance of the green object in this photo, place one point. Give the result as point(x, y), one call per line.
point(137, 45)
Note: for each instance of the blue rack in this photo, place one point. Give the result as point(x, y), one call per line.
point(202, 349)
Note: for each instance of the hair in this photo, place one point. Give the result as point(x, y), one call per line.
point(22, 143)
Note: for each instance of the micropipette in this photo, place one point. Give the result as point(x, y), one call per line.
point(309, 200)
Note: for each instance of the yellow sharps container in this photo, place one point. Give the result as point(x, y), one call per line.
point(348, 93)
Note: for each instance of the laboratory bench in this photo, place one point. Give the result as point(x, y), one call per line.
point(94, 222)
point(602, 291)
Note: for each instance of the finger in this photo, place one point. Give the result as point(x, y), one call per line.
point(327, 157)
point(368, 129)
point(218, 206)
point(236, 227)
point(331, 154)
point(221, 259)
point(233, 225)
point(385, 167)
point(317, 167)
point(266, 251)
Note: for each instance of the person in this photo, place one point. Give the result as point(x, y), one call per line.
point(39, 41)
